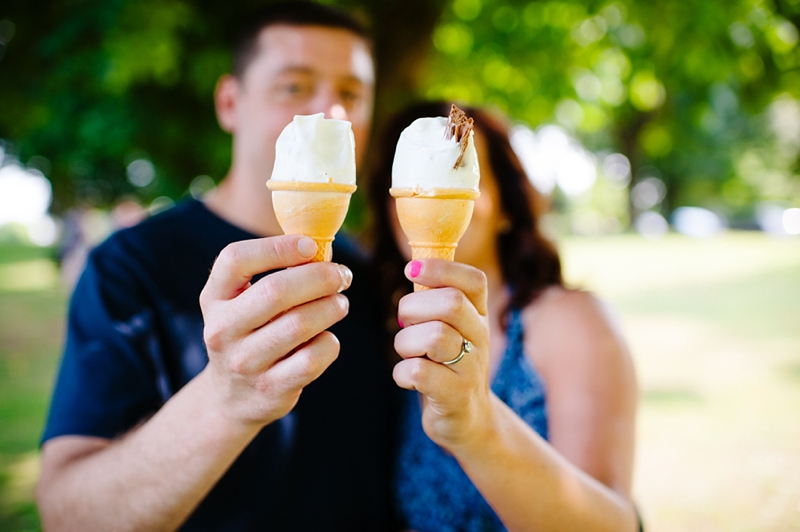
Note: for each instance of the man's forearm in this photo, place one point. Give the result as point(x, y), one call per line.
point(150, 479)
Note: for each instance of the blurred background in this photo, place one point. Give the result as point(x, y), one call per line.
point(665, 134)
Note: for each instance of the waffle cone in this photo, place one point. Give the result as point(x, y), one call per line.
point(315, 210)
point(434, 222)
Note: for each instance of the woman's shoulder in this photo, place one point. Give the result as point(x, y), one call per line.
point(564, 307)
point(572, 327)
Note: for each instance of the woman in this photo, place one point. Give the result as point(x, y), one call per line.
point(534, 428)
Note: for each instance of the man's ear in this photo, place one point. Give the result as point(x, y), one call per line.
point(226, 97)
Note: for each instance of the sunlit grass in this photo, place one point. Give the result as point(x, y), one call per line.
point(712, 325)
point(626, 264)
point(32, 309)
point(36, 274)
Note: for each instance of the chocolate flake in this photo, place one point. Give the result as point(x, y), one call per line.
point(458, 127)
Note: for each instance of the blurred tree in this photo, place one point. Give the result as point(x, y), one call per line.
point(681, 88)
point(96, 85)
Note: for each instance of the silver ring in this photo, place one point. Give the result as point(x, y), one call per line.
point(466, 347)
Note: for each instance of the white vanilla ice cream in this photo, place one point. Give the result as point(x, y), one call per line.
point(424, 159)
point(314, 149)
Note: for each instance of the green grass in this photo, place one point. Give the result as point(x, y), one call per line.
point(32, 307)
point(714, 328)
point(712, 325)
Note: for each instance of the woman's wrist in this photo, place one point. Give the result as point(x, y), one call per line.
point(483, 433)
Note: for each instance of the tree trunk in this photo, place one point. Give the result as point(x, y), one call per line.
point(402, 45)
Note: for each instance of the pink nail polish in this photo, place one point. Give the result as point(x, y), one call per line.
point(400, 323)
point(415, 268)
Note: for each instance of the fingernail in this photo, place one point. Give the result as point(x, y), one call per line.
point(400, 323)
point(347, 277)
point(307, 247)
point(416, 267)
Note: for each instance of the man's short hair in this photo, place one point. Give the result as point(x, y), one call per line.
point(292, 13)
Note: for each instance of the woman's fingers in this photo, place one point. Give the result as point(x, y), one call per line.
point(427, 377)
point(448, 305)
point(435, 340)
point(437, 273)
point(437, 323)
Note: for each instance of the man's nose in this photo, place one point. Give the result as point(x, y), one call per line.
point(336, 111)
point(329, 101)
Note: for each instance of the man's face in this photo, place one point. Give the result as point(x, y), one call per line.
point(300, 70)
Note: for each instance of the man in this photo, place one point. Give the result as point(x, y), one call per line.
point(168, 412)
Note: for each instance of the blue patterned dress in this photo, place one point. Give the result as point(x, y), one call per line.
point(432, 492)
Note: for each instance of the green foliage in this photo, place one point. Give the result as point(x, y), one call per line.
point(89, 85)
point(675, 85)
point(680, 86)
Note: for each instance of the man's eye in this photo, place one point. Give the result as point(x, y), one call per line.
point(350, 95)
point(294, 89)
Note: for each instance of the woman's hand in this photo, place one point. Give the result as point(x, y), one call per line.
point(436, 325)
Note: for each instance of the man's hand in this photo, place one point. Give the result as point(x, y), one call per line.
point(267, 340)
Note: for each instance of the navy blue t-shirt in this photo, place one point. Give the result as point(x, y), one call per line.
point(135, 337)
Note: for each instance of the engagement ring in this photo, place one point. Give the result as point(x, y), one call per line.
point(466, 347)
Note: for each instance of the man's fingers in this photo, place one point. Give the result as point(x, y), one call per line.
point(280, 291)
point(272, 342)
point(238, 262)
point(435, 273)
point(274, 294)
point(306, 364)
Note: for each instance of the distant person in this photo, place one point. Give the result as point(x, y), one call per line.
point(127, 212)
point(85, 227)
point(213, 402)
point(534, 428)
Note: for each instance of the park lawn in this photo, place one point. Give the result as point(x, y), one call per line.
point(712, 326)
point(32, 308)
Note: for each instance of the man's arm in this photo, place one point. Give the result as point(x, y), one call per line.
point(152, 478)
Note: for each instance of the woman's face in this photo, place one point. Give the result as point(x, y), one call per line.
point(478, 245)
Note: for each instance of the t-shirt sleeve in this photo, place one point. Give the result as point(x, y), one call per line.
point(108, 381)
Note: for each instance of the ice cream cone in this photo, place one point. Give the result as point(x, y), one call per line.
point(434, 222)
point(316, 210)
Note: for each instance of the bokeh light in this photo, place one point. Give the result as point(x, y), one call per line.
point(617, 168)
point(44, 231)
point(791, 221)
point(648, 193)
point(25, 194)
point(778, 219)
point(552, 157)
point(200, 186)
point(159, 204)
point(141, 172)
point(651, 224)
point(25, 197)
point(697, 222)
